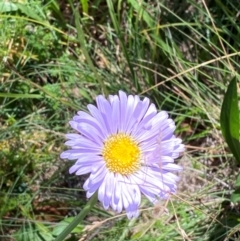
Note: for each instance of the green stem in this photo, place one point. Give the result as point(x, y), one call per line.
point(78, 218)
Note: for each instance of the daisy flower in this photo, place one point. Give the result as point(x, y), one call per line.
point(128, 147)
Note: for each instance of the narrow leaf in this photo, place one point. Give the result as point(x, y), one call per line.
point(235, 197)
point(138, 6)
point(13, 95)
point(229, 119)
point(85, 6)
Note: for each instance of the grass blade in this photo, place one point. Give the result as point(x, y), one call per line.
point(13, 95)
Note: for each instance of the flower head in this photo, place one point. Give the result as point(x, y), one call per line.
point(128, 147)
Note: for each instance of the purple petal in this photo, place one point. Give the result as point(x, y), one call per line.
point(154, 134)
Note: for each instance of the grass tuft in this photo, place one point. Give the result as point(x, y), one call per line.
point(56, 56)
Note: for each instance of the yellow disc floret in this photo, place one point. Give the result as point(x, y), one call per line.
point(121, 154)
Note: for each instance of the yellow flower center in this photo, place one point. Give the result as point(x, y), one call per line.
point(121, 154)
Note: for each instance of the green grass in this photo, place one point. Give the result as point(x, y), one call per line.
point(55, 59)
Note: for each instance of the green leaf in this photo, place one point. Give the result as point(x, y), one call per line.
point(237, 184)
point(229, 119)
point(235, 197)
point(137, 235)
point(85, 6)
point(30, 12)
point(31, 233)
point(141, 12)
point(63, 224)
point(7, 7)
point(13, 95)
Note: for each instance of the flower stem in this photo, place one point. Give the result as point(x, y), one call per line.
point(78, 218)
